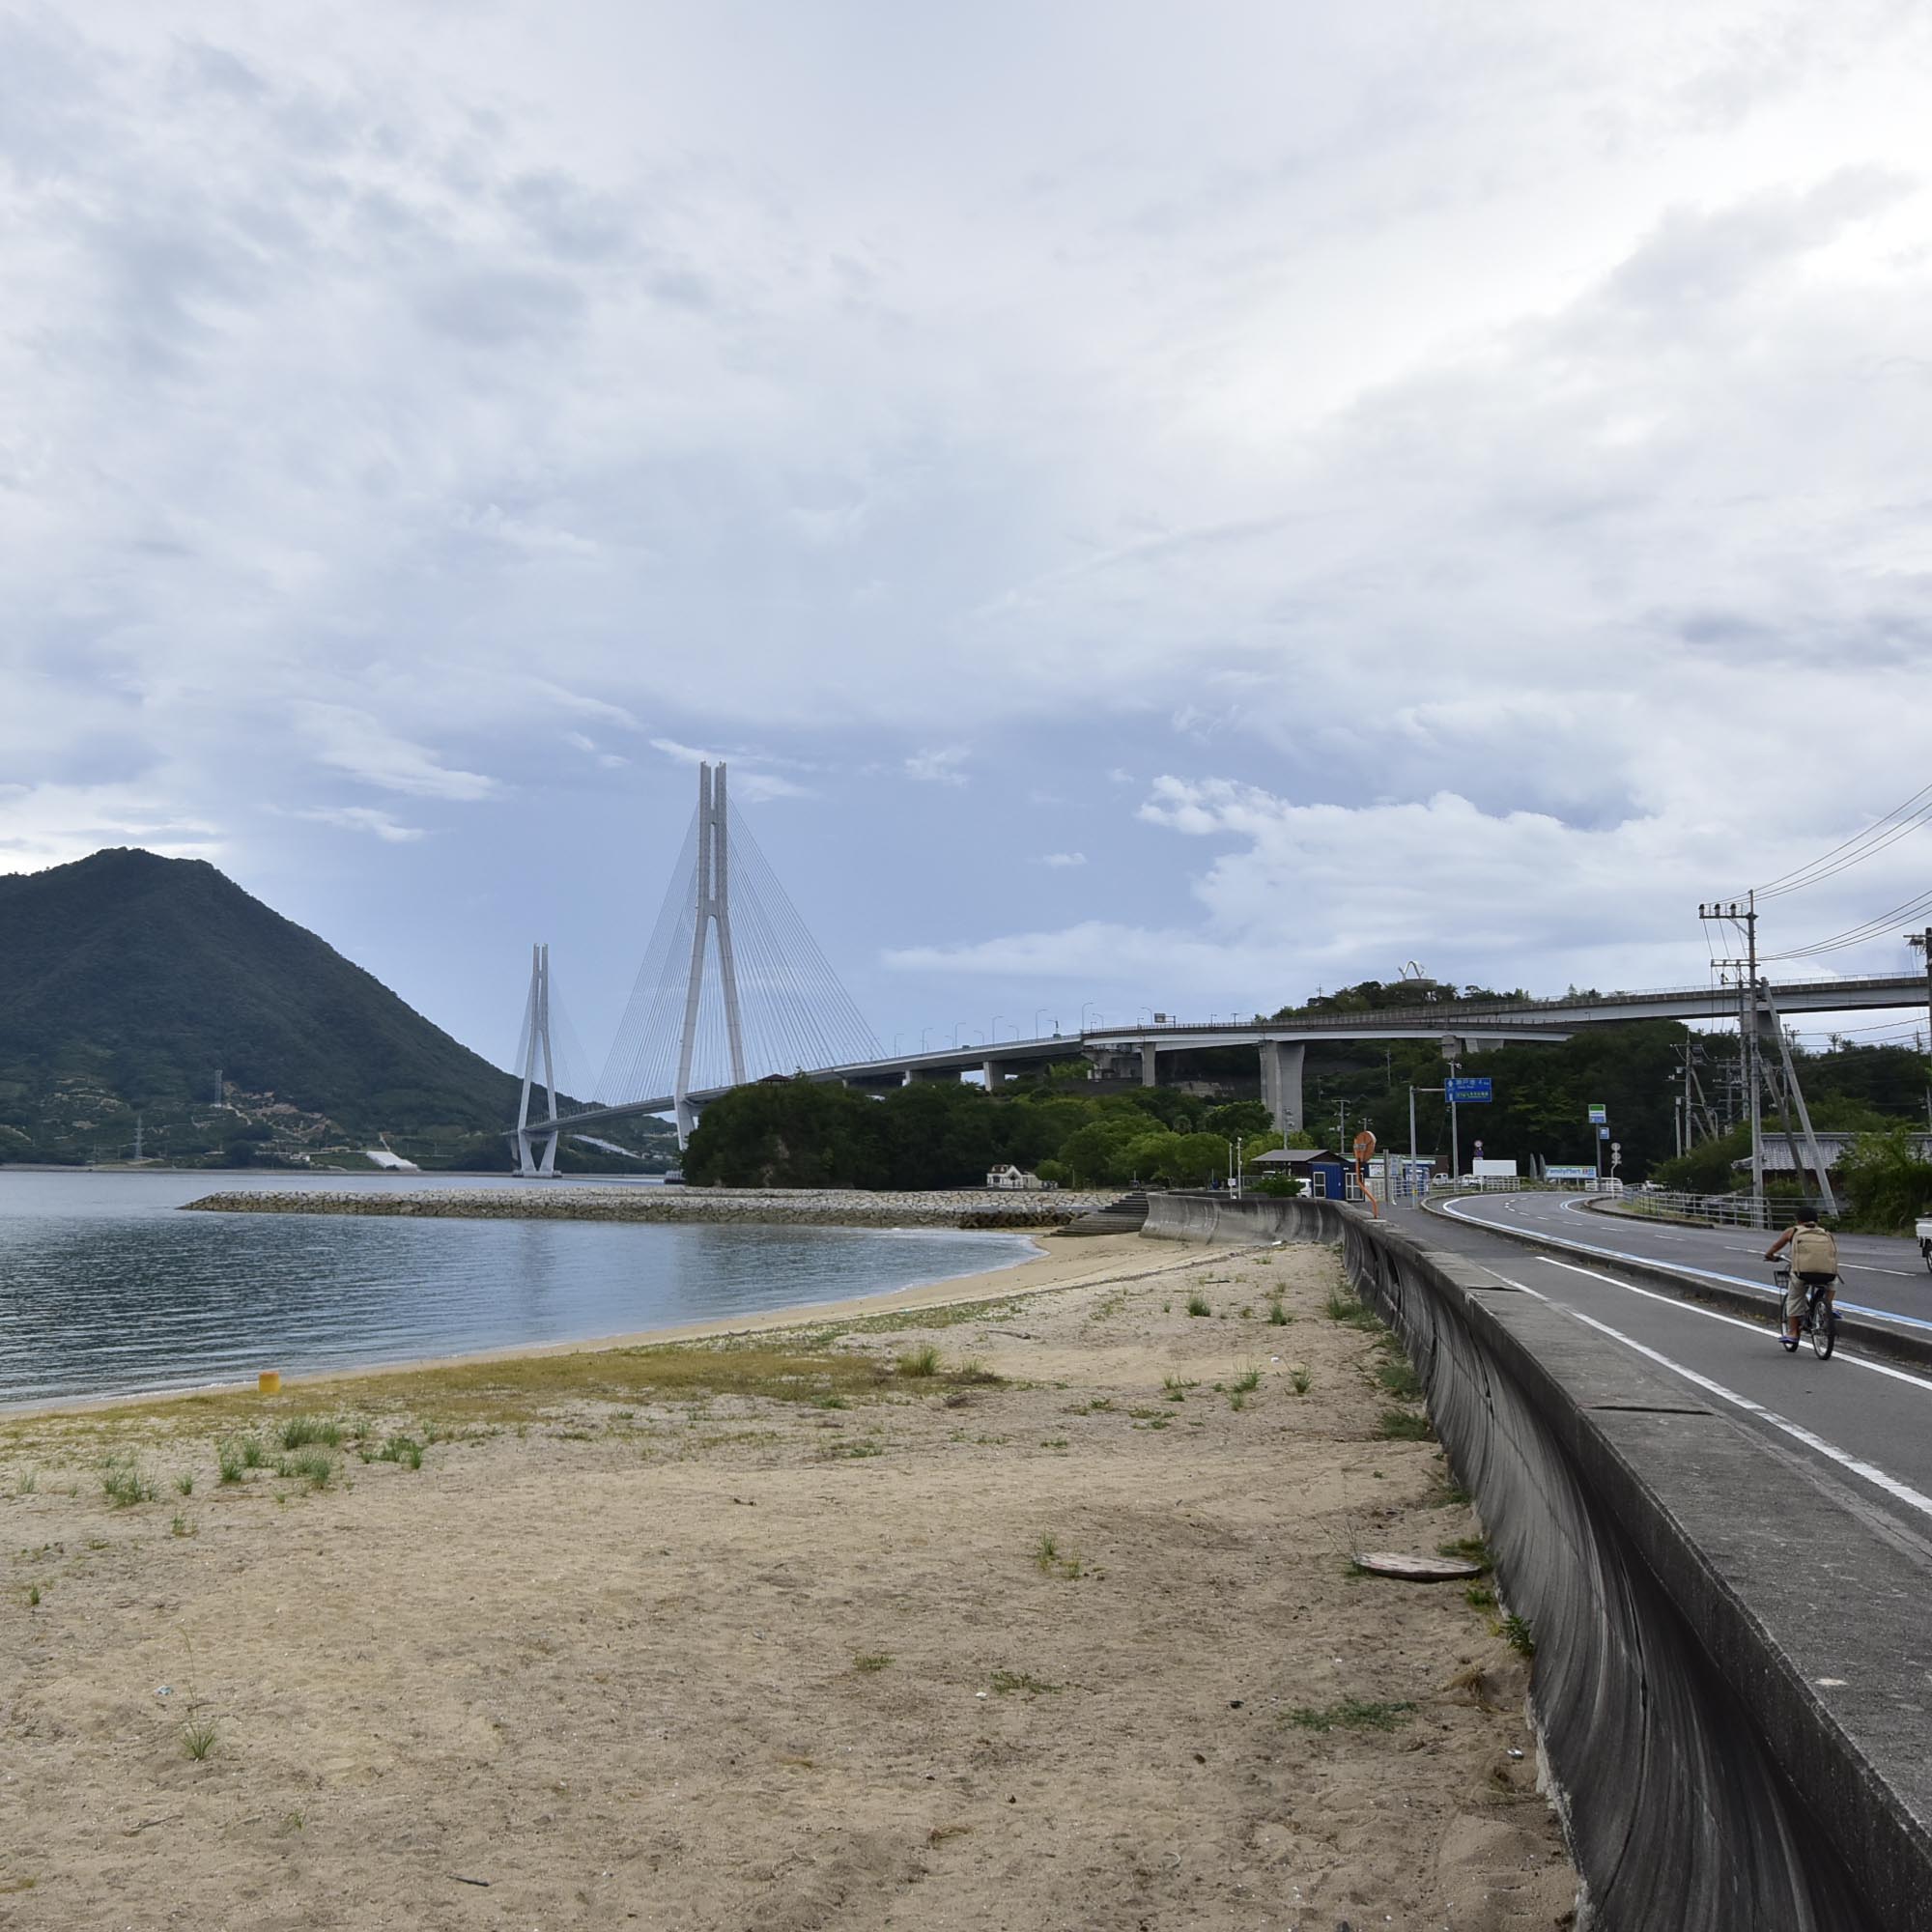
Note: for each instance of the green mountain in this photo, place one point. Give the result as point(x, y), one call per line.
point(129, 984)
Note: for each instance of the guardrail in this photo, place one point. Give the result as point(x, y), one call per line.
point(1713, 1210)
point(1684, 1614)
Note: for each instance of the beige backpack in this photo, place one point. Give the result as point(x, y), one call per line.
point(1814, 1252)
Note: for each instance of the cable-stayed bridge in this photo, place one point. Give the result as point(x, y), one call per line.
point(733, 988)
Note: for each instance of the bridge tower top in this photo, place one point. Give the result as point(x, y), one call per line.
point(711, 910)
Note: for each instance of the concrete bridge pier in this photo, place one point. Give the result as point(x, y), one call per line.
point(1281, 1082)
point(1149, 1056)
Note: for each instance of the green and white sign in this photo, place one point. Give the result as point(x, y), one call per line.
point(1599, 1114)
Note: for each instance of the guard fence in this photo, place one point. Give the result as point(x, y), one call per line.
point(1711, 1210)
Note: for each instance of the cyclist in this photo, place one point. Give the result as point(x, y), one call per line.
point(1814, 1259)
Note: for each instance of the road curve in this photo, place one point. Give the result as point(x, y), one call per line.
point(1856, 1426)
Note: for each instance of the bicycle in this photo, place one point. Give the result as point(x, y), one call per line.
point(1821, 1324)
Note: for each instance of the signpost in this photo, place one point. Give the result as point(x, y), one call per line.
point(1469, 1089)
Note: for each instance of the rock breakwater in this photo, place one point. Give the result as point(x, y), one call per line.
point(827, 1207)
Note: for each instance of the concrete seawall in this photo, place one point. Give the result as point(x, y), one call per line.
point(783, 1207)
point(1687, 1594)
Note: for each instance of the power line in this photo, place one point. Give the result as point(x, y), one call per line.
point(1858, 935)
point(1902, 819)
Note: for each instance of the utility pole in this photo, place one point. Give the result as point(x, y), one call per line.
point(1731, 912)
point(1452, 1052)
point(1921, 942)
point(1756, 1110)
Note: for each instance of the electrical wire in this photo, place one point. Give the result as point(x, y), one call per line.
point(1901, 819)
point(1861, 934)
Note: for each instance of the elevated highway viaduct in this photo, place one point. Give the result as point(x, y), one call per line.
point(1282, 1044)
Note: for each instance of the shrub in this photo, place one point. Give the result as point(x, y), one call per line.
point(1886, 1182)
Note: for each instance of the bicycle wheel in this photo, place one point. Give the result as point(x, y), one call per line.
point(1824, 1326)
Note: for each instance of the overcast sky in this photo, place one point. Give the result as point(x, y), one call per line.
point(1161, 506)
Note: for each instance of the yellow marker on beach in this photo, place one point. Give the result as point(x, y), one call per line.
point(268, 1382)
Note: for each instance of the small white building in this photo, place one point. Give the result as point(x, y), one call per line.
point(1014, 1178)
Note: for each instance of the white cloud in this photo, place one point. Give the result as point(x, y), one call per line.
point(1504, 898)
point(364, 819)
point(353, 741)
point(940, 766)
point(1524, 409)
point(1062, 860)
point(749, 783)
point(54, 824)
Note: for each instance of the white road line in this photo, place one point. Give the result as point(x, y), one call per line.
point(1870, 1471)
point(1731, 1321)
point(1706, 1275)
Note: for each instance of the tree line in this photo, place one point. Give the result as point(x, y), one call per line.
point(802, 1133)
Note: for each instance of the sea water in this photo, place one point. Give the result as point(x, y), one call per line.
point(107, 1288)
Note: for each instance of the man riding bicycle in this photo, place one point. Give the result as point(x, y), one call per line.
point(1814, 1263)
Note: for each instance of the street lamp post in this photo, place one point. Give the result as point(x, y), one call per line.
point(997, 1018)
point(1084, 1004)
point(923, 1032)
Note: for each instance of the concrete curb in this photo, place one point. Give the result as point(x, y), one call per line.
point(1735, 1744)
point(1899, 1343)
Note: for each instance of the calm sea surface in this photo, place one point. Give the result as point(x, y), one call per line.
point(107, 1289)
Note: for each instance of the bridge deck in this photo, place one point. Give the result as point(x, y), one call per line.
point(1527, 1019)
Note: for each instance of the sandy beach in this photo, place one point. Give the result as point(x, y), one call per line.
point(1030, 1608)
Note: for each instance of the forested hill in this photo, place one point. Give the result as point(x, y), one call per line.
point(127, 980)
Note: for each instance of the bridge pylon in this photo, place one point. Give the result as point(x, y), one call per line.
point(536, 1039)
point(713, 908)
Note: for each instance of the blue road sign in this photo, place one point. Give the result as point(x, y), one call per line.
point(1470, 1087)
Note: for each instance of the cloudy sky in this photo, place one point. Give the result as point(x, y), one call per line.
point(1161, 506)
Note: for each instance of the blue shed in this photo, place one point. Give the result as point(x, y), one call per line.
point(1321, 1173)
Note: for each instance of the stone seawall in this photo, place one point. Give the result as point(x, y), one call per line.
point(1691, 1606)
point(775, 1206)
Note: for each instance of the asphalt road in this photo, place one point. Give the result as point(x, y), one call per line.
point(1855, 1431)
point(1878, 1277)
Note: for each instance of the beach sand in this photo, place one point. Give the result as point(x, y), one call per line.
point(796, 1629)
